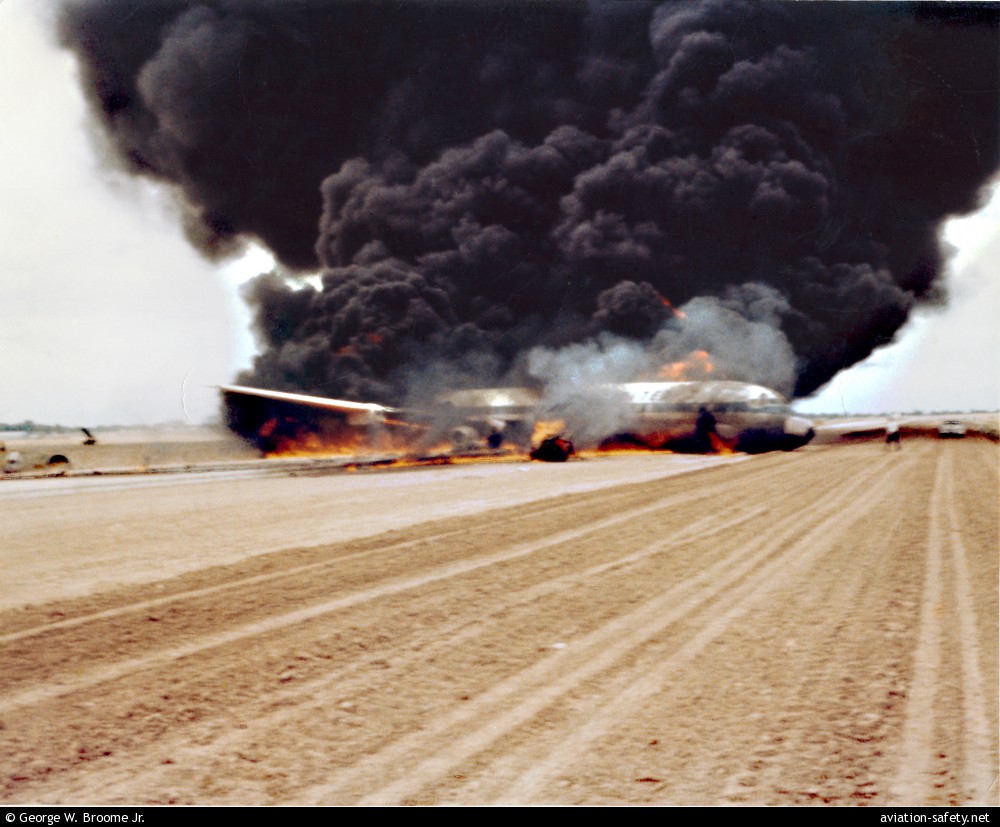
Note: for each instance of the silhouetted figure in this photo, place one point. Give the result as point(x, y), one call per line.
point(892, 439)
point(704, 428)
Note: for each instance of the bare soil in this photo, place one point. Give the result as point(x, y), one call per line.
point(814, 627)
point(132, 448)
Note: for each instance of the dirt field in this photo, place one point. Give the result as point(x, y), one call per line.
point(132, 448)
point(814, 627)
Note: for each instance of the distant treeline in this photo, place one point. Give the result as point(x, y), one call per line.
point(30, 427)
point(904, 413)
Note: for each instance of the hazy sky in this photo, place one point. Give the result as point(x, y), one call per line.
point(945, 358)
point(108, 316)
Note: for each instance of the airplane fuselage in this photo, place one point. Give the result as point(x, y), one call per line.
point(691, 416)
point(656, 414)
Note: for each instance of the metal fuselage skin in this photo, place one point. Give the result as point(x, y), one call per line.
point(657, 414)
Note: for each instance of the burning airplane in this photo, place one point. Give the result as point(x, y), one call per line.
point(684, 416)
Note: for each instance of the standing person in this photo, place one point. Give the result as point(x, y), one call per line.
point(892, 434)
point(704, 428)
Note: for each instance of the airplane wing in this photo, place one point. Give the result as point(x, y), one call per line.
point(278, 420)
point(318, 402)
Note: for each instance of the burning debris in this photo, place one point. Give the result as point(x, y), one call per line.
point(543, 194)
point(553, 449)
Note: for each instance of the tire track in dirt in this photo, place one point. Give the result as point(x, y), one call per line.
point(450, 636)
point(917, 781)
point(218, 590)
point(870, 660)
point(799, 548)
point(179, 660)
point(271, 623)
point(171, 530)
point(644, 580)
point(546, 510)
point(72, 686)
point(914, 762)
point(237, 588)
point(476, 726)
point(835, 699)
point(980, 768)
point(763, 769)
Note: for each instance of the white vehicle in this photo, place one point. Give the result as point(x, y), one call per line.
point(15, 462)
point(952, 429)
point(30, 460)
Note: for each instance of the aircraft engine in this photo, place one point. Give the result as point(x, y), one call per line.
point(798, 426)
point(798, 431)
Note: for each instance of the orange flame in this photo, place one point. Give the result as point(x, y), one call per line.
point(546, 429)
point(720, 446)
point(697, 365)
point(406, 440)
point(310, 444)
point(345, 441)
point(680, 314)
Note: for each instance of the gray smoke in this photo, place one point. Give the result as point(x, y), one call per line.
point(735, 337)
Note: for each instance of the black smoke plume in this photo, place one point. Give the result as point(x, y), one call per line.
point(479, 183)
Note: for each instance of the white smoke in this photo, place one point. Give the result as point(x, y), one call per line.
point(741, 335)
point(581, 385)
